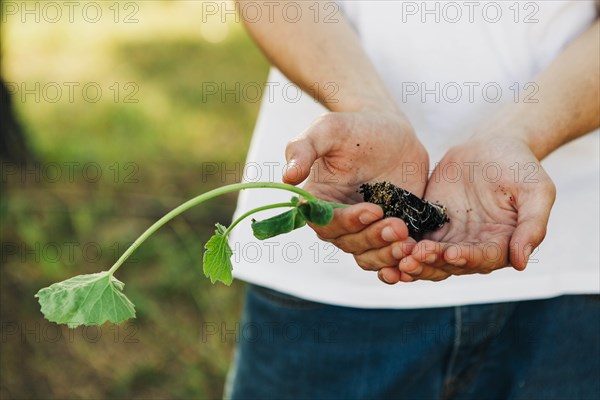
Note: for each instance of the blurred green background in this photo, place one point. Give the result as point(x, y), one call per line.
point(105, 166)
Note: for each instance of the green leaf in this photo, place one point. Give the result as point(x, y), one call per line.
point(317, 211)
point(86, 300)
point(217, 258)
point(277, 225)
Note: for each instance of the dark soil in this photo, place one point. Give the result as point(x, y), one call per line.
point(420, 216)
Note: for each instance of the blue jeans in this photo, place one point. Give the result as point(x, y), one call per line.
point(295, 349)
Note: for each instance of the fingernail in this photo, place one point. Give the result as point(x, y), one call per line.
point(460, 262)
point(405, 267)
point(416, 271)
point(429, 259)
point(367, 218)
point(381, 277)
point(397, 252)
point(292, 168)
point(388, 234)
point(291, 164)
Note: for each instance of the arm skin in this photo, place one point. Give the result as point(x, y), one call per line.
point(568, 107)
point(568, 100)
point(364, 137)
point(310, 52)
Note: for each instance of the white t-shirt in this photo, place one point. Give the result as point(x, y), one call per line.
point(449, 68)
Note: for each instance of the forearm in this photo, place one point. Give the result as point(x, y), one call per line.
point(568, 100)
point(324, 58)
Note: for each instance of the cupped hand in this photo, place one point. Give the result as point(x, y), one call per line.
point(341, 151)
point(498, 198)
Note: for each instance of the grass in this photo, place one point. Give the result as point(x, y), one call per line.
point(152, 155)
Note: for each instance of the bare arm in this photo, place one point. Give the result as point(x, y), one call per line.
point(313, 51)
point(569, 99)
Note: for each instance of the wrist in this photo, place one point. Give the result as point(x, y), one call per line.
point(507, 128)
point(349, 100)
point(509, 139)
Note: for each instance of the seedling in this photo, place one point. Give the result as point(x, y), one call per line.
point(93, 299)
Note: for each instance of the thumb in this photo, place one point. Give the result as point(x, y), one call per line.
point(533, 214)
point(302, 152)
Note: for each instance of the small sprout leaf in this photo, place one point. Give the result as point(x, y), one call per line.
point(217, 258)
point(86, 300)
point(318, 212)
point(277, 225)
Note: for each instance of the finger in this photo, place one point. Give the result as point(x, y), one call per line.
point(533, 209)
point(419, 261)
point(316, 142)
point(429, 252)
point(349, 220)
point(375, 236)
point(483, 257)
point(432, 274)
point(377, 259)
point(416, 270)
point(389, 275)
point(404, 277)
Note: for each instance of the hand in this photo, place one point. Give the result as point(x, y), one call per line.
point(341, 151)
point(499, 200)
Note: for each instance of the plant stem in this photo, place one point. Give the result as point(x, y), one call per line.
point(254, 211)
point(200, 199)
